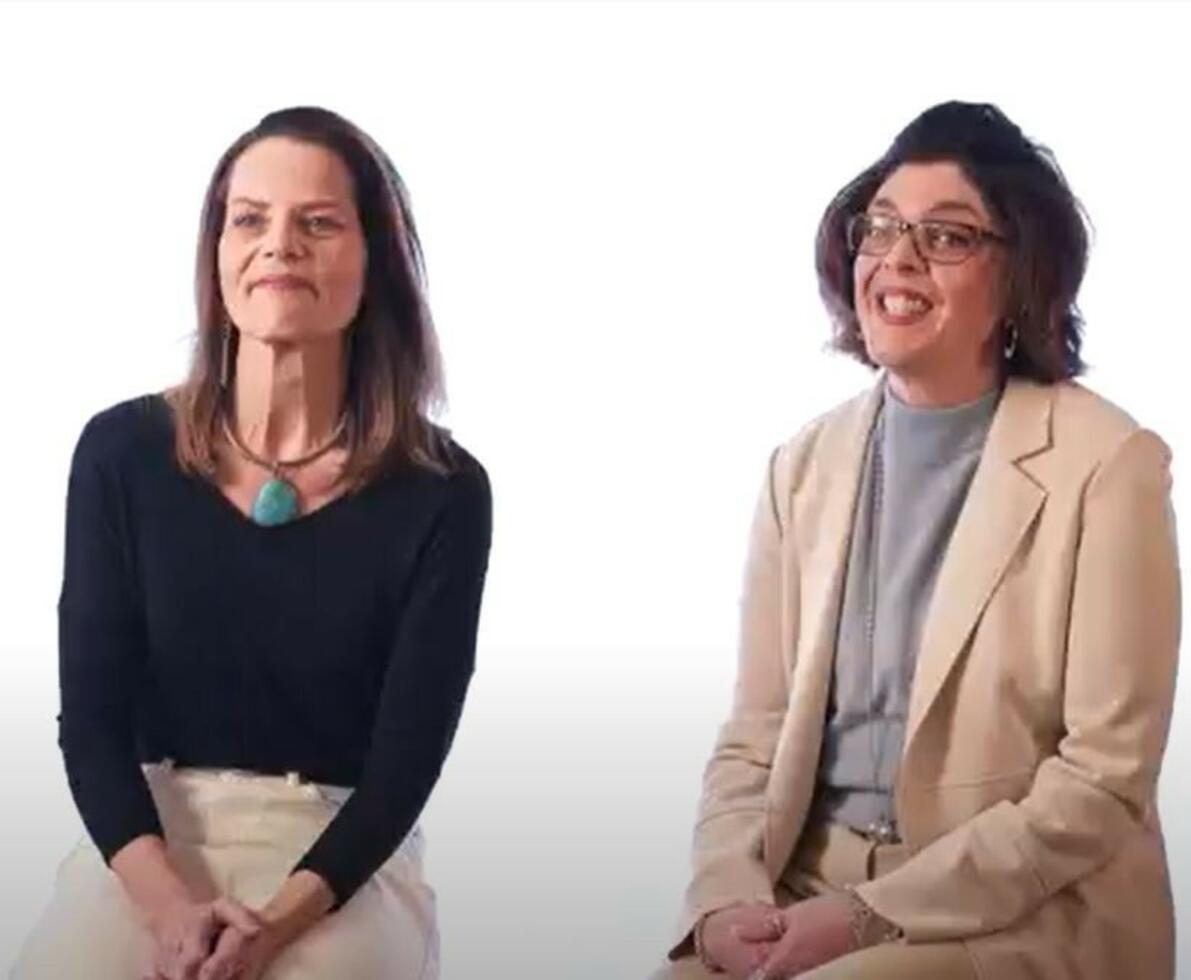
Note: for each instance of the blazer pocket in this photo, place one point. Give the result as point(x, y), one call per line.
point(957, 801)
point(1013, 775)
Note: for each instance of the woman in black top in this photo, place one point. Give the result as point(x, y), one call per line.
point(272, 584)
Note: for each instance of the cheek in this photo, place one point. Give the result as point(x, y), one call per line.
point(862, 271)
point(344, 271)
point(229, 268)
point(973, 300)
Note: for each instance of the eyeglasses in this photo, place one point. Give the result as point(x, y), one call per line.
point(944, 242)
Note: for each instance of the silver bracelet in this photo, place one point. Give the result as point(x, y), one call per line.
point(869, 928)
point(701, 950)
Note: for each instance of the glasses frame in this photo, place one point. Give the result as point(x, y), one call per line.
point(982, 235)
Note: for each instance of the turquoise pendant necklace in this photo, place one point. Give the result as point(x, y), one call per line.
point(277, 501)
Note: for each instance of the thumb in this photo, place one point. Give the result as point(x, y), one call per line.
point(236, 915)
point(776, 964)
point(766, 930)
point(761, 960)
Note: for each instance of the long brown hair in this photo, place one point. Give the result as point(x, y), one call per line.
point(1023, 186)
point(394, 372)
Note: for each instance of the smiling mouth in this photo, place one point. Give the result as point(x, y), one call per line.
point(902, 305)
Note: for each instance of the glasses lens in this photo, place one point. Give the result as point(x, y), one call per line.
point(872, 234)
point(944, 241)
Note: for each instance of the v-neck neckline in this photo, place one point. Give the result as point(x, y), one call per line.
point(209, 489)
point(226, 504)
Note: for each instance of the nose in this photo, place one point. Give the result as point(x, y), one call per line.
point(282, 242)
point(904, 254)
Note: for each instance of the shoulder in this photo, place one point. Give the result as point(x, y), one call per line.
point(1080, 414)
point(465, 474)
point(454, 483)
point(1089, 427)
point(463, 515)
point(1073, 441)
point(120, 435)
point(821, 437)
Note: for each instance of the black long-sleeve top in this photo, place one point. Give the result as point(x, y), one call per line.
point(339, 645)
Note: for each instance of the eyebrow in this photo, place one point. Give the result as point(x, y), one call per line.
point(305, 206)
point(884, 202)
point(955, 206)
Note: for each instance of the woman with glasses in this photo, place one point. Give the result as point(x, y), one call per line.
point(960, 615)
point(268, 615)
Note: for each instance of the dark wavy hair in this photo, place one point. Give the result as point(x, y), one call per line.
point(394, 373)
point(1023, 187)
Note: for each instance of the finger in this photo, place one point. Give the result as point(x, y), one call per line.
point(165, 962)
point(218, 964)
point(228, 957)
point(235, 914)
point(766, 930)
point(779, 962)
point(761, 953)
point(254, 967)
point(195, 946)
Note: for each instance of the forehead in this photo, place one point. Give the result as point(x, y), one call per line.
point(916, 189)
point(279, 168)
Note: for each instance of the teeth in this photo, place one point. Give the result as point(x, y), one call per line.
point(901, 305)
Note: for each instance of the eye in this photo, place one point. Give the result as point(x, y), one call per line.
point(879, 228)
point(321, 223)
point(248, 219)
point(948, 237)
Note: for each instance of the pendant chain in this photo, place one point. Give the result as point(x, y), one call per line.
point(277, 465)
point(884, 828)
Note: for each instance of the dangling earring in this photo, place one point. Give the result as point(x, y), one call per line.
point(225, 355)
point(1010, 340)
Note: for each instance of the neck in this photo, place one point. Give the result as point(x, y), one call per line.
point(943, 389)
point(288, 398)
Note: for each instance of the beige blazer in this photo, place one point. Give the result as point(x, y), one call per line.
point(1039, 708)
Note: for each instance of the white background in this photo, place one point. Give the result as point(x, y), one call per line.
point(618, 205)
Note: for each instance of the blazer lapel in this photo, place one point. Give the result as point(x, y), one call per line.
point(822, 528)
point(828, 507)
point(1001, 504)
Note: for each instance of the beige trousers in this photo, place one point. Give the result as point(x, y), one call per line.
point(239, 834)
point(830, 857)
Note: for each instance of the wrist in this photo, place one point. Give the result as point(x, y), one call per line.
point(302, 900)
point(700, 947)
point(160, 914)
point(869, 928)
point(149, 880)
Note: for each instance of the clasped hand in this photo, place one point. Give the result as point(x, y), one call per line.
point(217, 940)
point(760, 942)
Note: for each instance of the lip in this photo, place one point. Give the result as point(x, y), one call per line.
point(282, 282)
point(882, 290)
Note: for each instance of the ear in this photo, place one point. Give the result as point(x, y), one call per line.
point(1007, 292)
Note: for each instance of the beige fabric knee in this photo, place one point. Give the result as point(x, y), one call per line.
point(944, 961)
point(687, 968)
point(830, 857)
point(898, 961)
point(239, 834)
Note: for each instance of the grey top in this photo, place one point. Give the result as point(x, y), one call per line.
point(917, 469)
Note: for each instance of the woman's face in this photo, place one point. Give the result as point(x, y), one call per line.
point(292, 256)
point(921, 319)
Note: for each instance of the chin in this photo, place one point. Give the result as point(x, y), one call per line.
point(889, 355)
point(896, 350)
point(289, 331)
